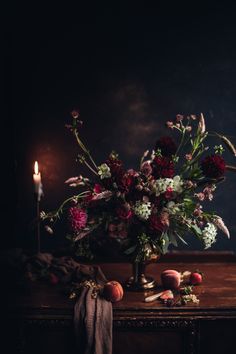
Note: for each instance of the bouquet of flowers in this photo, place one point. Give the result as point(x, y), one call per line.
point(143, 211)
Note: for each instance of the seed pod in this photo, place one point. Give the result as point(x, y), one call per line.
point(228, 144)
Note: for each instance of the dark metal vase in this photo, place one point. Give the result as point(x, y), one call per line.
point(139, 281)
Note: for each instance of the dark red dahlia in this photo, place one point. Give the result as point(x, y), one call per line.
point(117, 172)
point(116, 166)
point(125, 182)
point(167, 146)
point(163, 167)
point(213, 166)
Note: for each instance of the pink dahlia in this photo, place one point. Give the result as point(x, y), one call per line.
point(213, 166)
point(146, 168)
point(77, 219)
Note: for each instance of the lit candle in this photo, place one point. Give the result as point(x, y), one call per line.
point(37, 178)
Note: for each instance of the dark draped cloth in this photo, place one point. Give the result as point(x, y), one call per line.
point(93, 320)
point(92, 314)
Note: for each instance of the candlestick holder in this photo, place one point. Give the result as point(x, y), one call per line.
point(38, 196)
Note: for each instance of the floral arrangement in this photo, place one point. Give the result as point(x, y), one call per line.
point(145, 210)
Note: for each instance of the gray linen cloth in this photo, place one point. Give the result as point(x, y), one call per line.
point(93, 319)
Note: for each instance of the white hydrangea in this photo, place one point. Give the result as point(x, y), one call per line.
point(104, 171)
point(162, 184)
point(209, 235)
point(142, 210)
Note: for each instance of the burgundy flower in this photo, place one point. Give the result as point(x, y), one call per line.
point(163, 167)
point(124, 213)
point(167, 146)
point(77, 219)
point(213, 166)
point(155, 223)
point(116, 166)
point(125, 182)
point(97, 188)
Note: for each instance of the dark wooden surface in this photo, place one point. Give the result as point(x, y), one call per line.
point(140, 326)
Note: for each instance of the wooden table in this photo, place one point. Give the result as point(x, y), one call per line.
point(42, 319)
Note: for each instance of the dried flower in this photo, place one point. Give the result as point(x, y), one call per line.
point(228, 144)
point(201, 125)
point(218, 221)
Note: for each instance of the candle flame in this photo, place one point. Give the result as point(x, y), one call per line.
point(36, 168)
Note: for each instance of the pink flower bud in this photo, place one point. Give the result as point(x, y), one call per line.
point(75, 114)
point(188, 157)
point(170, 124)
point(179, 117)
point(189, 128)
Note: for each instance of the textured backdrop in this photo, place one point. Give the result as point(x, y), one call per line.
point(128, 70)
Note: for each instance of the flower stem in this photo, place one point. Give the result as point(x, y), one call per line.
point(84, 148)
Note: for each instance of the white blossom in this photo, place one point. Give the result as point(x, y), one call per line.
point(209, 235)
point(104, 171)
point(162, 184)
point(142, 210)
point(177, 184)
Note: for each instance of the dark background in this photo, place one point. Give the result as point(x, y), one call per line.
point(128, 70)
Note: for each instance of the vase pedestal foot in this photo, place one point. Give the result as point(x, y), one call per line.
point(144, 283)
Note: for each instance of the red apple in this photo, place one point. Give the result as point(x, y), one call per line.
point(195, 278)
point(113, 291)
point(170, 279)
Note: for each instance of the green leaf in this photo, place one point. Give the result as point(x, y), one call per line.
point(130, 250)
point(164, 242)
point(197, 231)
point(181, 238)
point(173, 239)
